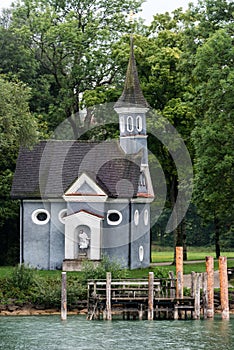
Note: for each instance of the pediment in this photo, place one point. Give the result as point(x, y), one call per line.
point(84, 186)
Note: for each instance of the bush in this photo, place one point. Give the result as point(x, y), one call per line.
point(22, 277)
point(95, 271)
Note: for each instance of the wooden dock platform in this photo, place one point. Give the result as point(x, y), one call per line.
point(138, 299)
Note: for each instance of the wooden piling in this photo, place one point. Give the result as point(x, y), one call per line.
point(210, 286)
point(204, 294)
point(108, 296)
point(64, 297)
point(151, 296)
point(179, 272)
point(193, 284)
point(140, 312)
point(223, 276)
point(172, 282)
point(197, 303)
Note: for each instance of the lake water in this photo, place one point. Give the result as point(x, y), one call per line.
point(49, 333)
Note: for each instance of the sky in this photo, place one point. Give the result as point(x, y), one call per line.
point(150, 7)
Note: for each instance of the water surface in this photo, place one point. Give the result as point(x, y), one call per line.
point(49, 333)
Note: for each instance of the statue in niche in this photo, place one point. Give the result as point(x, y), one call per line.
point(83, 242)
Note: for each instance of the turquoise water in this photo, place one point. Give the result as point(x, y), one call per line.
point(49, 333)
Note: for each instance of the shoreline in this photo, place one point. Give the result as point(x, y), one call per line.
point(51, 312)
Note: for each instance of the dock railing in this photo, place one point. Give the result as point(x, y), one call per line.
point(134, 297)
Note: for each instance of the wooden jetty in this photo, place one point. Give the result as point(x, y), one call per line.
point(139, 299)
point(156, 298)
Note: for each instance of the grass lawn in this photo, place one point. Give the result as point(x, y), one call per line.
point(193, 254)
point(157, 258)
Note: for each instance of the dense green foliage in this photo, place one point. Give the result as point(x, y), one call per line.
point(17, 126)
point(59, 57)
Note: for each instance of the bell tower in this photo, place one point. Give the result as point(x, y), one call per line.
point(132, 108)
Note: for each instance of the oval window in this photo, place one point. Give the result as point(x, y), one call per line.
point(139, 123)
point(141, 253)
point(40, 216)
point(122, 126)
point(62, 214)
point(130, 126)
point(136, 217)
point(146, 217)
point(114, 217)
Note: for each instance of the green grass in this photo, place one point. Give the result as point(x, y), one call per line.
point(193, 254)
point(159, 255)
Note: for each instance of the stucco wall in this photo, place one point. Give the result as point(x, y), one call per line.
point(115, 240)
point(140, 235)
point(43, 245)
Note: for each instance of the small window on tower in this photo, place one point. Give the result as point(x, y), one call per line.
point(139, 123)
point(130, 125)
point(122, 126)
point(142, 180)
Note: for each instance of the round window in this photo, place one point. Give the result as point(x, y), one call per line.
point(40, 216)
point(62, 214)
point(114, 217)
point(136, 217)
point(146, 217)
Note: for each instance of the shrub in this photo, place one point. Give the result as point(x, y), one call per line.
point(92, 270)
point(22, 277)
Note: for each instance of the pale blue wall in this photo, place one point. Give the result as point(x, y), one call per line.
point(43, 245)
point(140, 237)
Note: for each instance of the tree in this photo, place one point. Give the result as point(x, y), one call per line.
point(17, 126)
point(70, 45)
point(213, 134)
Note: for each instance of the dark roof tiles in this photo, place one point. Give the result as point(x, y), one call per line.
point(50, 168)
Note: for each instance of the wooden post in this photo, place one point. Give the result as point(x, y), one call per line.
point(64, 297)
point(223, 276)
point(197, 297)
point(151, 296)
point(210, 286)
point(172, 289)
point(193, 283)
point(108, 296)
point(179, 272)
point(204, 294)
point(140, 312)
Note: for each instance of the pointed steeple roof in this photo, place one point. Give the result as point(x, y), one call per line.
point(132, 95)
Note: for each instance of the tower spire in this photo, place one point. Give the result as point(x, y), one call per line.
point(132, 95)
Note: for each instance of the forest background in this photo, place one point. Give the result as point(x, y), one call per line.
point(60, 57)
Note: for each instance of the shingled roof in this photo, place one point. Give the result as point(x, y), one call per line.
point(50, 168)
point(132, 95)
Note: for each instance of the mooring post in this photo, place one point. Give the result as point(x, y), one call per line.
point(197, 302)
point(204, 294)
point(108, 296)
point(64, 297)
point(179, 272)
point(210, 286)
point(172, 286)
point(223, 276)
point(193, 284)
point(151, 296)
point(140, 312)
